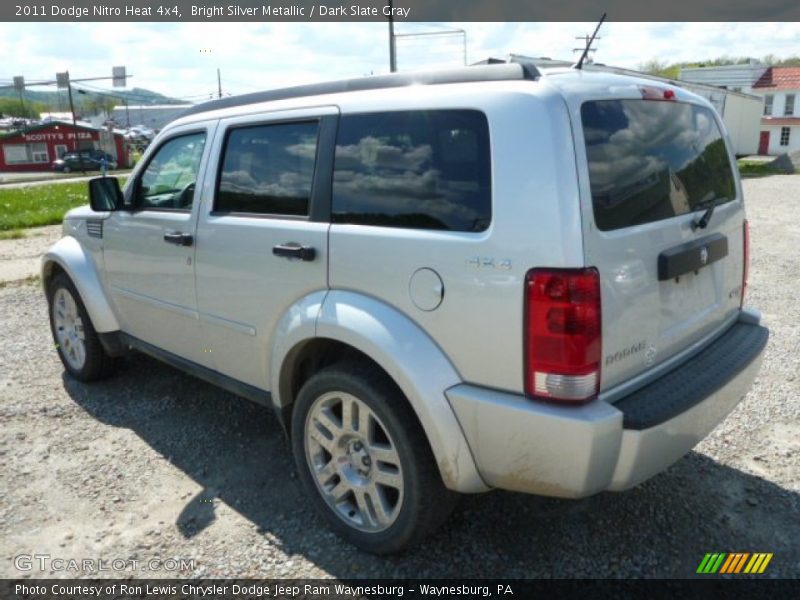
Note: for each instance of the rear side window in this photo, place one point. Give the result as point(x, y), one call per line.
point(268, 169)
point(413, 169)
point(653, 160)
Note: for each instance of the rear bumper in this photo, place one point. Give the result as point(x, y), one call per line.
point(573, 452)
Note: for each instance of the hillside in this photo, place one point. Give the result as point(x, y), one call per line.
point(58, 100)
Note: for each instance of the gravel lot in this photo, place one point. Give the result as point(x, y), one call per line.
point(155, 464)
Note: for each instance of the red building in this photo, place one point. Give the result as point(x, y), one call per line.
point(35, 148)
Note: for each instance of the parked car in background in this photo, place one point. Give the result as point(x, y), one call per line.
point(140, 134)
point(89, 160)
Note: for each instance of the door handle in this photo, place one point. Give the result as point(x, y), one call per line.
point(178, 238)
point(294, 250)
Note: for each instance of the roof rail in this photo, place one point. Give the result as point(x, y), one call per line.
point(493, 72)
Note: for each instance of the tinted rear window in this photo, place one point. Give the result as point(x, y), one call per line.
point(653, 160)
point(268, 169)
point(415, 169)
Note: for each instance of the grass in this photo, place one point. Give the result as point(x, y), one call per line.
point(756, 169)
point(38, 205)
point(29, 280)
point(12, 234)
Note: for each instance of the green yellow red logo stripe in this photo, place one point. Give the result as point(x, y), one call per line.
point(734, 563)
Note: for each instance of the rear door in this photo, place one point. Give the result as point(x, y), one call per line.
point(670, 277)
point(263, 235)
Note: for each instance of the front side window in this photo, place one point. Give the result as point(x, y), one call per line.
point(268, 169)
point(788, 109)
point(168, 180)
point(413, 169)
point(785, 136)
point(653, 160)
point(768, 104)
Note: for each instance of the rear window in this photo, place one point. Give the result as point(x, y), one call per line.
point(653, 160)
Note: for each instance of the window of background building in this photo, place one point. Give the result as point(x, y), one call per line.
point(25, 154)
point(768, 104)
point(788, 108)
point(784, 136)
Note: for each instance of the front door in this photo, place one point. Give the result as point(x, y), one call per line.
point(263, 244)
point(763, 143)
point(150, 247)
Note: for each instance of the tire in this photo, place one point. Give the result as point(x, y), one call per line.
point(66, 169)
point(365, 460)
point(76, 340)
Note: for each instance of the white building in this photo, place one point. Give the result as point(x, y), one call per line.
point(153, 116)
point(780, 125)
point(779, 90)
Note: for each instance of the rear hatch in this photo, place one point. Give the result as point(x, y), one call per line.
point(655, 164)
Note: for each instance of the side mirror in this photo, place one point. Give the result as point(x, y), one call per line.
point(105, 194)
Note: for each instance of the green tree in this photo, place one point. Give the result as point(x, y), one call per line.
point(11, 107)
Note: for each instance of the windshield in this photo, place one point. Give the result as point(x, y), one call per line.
point(653, 160)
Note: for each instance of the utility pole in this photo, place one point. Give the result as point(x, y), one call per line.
point(586, 40)
point(72, 110)
point(392, 52)
point(219, 83)
point(19, 84)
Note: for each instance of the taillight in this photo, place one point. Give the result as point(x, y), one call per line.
point(562, 334)
point(746, 258)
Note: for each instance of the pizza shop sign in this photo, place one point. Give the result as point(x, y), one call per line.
point(58, 137)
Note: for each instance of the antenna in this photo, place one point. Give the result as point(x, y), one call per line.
point(579, 64)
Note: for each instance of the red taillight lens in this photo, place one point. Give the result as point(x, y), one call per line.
point(746, 259)
point(562, 334)
point(656, 93)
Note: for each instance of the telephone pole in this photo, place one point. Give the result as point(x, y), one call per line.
point(72, 110)
point(392, 51)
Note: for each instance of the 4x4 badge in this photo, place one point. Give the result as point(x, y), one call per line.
point(489, 262)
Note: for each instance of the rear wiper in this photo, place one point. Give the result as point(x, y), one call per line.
point(702, 222)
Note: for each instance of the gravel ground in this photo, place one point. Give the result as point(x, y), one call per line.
point(154, 464)
point(21, 258)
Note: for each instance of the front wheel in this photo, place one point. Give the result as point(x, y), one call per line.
point(78, 346)
point(363, 456)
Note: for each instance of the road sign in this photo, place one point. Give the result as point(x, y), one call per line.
point(19, 83)
point(62, 80)
point(118, 73)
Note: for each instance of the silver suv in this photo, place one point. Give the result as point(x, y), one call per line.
point(442, 282)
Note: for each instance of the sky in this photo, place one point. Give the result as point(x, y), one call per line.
point(181, 59)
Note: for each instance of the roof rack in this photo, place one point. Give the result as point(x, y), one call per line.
point(494, 72)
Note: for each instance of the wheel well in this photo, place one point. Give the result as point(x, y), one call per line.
point(302, 362)
point(51, 269)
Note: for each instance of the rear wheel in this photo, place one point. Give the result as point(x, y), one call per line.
point(78, 346)
point(363, 456)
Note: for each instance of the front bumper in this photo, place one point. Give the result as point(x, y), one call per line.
point(573, 452)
